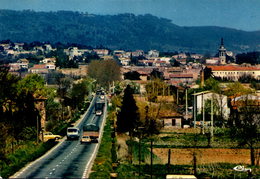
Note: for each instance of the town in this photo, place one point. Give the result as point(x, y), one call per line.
point(168, 112)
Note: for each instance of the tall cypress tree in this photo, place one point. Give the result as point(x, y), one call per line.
point(128, 117)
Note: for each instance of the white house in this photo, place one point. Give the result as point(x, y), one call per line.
point(220, 102)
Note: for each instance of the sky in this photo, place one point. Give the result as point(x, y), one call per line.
point(238, 14)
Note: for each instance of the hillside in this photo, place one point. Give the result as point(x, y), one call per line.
point(123, 31)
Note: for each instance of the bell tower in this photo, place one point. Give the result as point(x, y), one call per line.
point(222, 53)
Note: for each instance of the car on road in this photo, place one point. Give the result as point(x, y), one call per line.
point(85, 139)
point(49, 136)
point(99, 113)
point(72, 133)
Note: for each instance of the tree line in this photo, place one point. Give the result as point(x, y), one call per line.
point(123, 31)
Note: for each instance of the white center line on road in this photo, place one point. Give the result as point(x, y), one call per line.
point(80, 121)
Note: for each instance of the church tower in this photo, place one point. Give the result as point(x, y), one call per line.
point(222, 53)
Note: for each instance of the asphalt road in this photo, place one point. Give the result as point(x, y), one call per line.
point(68, 160)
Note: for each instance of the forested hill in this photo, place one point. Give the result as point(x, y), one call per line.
point(123, 31)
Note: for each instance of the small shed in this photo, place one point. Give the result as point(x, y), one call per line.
point(172, 122)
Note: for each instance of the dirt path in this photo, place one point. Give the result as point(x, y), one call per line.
point(204, 156)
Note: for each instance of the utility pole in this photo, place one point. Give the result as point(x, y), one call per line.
point(177, 96)
point(151, 167)
point(139, 156)
point(37, 129)
point(186, 102)
point(113, 87)
point(195, 109)
point(212, 125)
point(203, 115)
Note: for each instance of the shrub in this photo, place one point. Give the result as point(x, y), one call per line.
point(27, 153)
point(103, 163)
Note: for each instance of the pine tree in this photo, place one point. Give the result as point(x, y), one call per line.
point(128, 117)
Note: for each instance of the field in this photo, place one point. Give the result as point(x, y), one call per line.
point(204, 156)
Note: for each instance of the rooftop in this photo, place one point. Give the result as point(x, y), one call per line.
point(233, 68)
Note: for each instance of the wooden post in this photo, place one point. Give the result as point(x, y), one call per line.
point(169, 160)
point(151, 167)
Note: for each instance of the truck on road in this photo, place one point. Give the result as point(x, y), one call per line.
point(99, 106)
point(90, 131)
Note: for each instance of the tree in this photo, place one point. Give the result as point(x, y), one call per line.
point(151, 125)
point(207, 73)
point(246, 78)
point(155, 74)
point(250, 57)
point(175, 63)
point(155, 88)
point(33, 84)
point(245, 128)
point(237, 89)
point(8, 94)
point(244, 121)
point(212, 84)
point(132, 75)
point(78, 94)
point(128, 117)
point(104, 71)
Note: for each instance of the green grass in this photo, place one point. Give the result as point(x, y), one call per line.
point(30, 151)
point(26, 153)
point(188, 140)
point(217, 170)
point(103, 163)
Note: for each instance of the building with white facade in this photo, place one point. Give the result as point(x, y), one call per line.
point(235, 72)
point(219, 101)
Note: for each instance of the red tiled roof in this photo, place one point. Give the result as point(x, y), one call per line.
point(39, 66)
point(232, 68)
point(182, 75)
point(160, 61)
point(143, 72)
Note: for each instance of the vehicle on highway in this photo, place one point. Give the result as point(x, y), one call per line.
point(85, 139)
point(100, 94)
point(49, 136)
point(99, 106)
point(73, 133)
point(92, 131)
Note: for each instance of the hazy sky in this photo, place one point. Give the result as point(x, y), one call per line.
point(239, 14)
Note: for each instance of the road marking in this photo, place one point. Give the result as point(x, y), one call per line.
point(92, 120)
point(78, 123)
point(87, 166)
